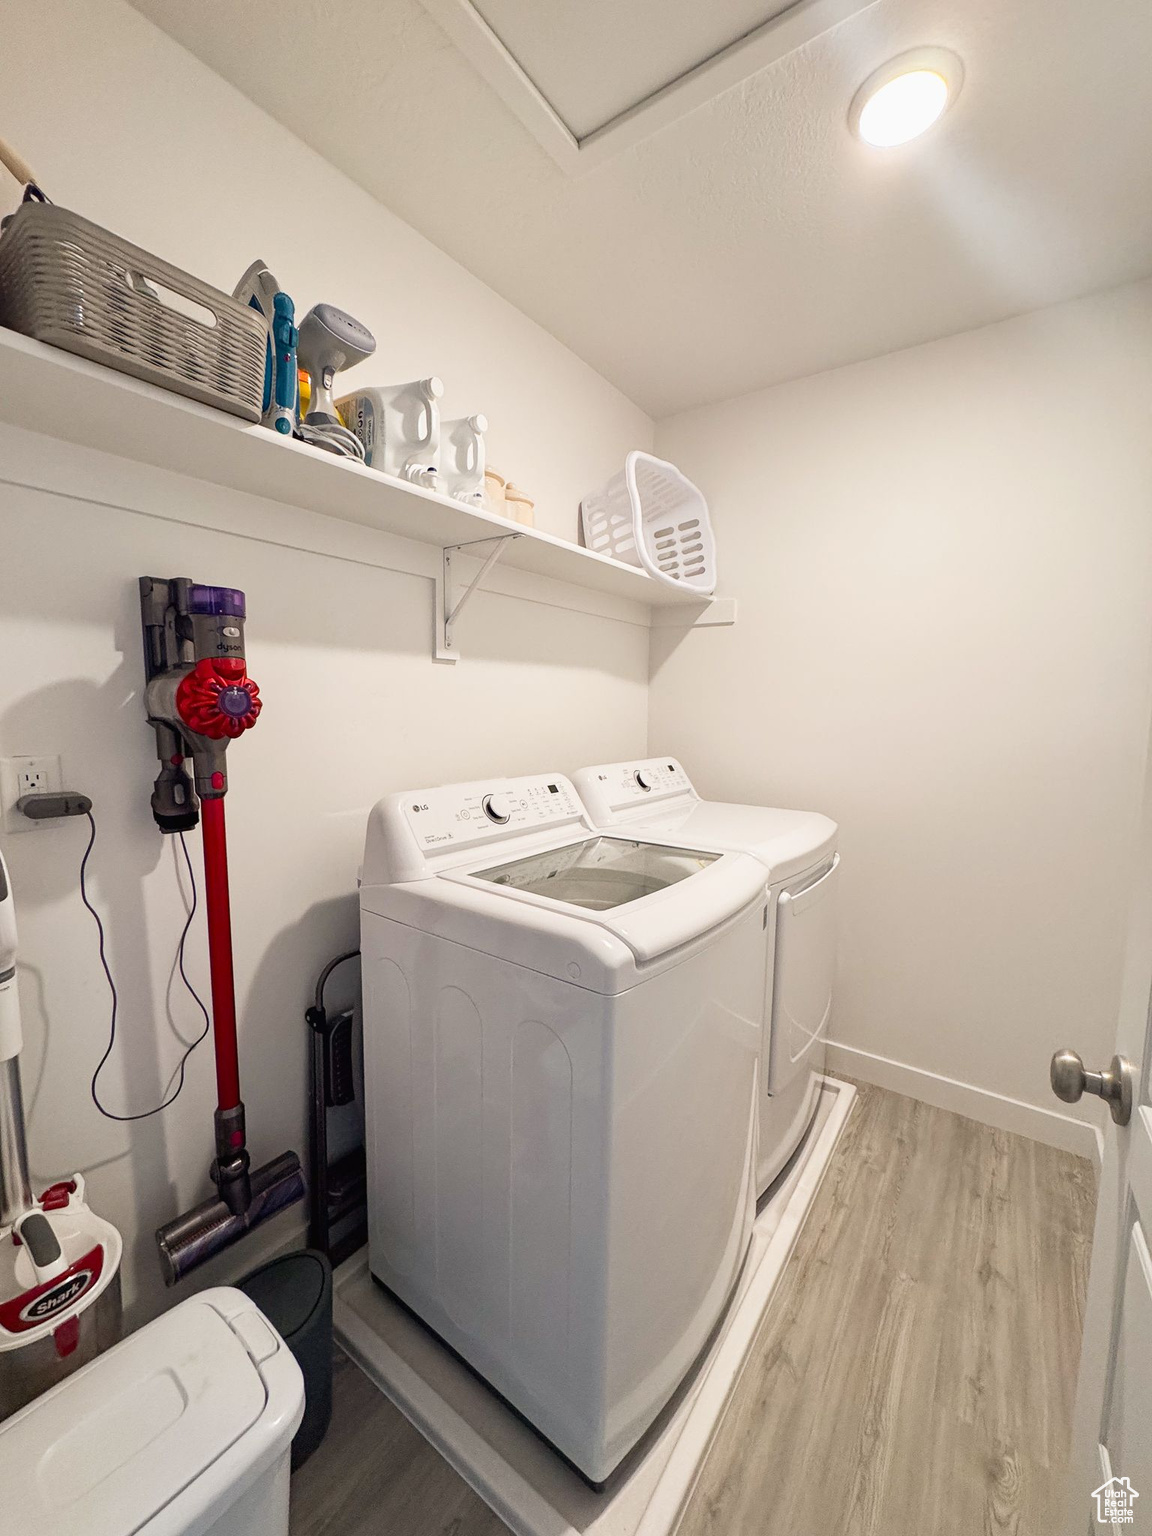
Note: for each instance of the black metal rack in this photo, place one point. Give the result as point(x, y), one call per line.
point(338, 1198)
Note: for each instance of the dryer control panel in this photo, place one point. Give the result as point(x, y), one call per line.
point(616, 787)
point(462, 814)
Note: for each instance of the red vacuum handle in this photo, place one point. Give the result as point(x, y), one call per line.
point(220, 952)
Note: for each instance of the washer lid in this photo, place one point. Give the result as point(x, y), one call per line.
point(107, 1449)
point(600, 873)
point(786, 842)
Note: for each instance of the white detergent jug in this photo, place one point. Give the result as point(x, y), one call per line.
point(462, 459)
point(399, 426)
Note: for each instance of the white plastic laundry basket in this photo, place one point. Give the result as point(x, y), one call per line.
point(652, 516)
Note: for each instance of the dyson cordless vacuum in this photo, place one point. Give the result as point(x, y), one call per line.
point(199, 697)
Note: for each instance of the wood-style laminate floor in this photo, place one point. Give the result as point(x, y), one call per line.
point(912, 1377)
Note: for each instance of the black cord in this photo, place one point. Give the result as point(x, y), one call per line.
point(172, 1097)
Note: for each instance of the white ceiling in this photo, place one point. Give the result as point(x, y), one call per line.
point(593, 59)
point(754, 239)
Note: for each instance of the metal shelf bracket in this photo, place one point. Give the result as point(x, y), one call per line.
point(450, 604)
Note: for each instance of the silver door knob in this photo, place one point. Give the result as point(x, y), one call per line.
point(1115, 1086)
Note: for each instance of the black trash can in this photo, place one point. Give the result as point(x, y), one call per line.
point(295, 1294)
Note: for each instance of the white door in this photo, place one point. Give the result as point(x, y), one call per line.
point(1111, 1464)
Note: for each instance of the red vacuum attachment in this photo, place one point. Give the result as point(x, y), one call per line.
point(198, 698)
point(218, 699)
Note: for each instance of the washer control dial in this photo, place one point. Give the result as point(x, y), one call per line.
point(643, 778)
point(497, 808)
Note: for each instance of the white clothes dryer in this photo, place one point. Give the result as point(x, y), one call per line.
point(561, 1052)
point(655, 798)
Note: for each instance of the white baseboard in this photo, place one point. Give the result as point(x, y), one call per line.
point(1047, 1125)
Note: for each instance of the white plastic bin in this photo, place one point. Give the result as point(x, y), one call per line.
point(184, 1429)
point(652, 516)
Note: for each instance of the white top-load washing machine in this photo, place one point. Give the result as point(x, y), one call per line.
point(654, 798)
point(561, 1047)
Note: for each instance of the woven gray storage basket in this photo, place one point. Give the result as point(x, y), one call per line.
point(66, 281)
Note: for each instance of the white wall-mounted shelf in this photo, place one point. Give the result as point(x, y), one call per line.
point(46, 390)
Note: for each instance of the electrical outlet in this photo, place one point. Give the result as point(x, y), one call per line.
point(20, 776)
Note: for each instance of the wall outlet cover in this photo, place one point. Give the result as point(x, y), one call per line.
point(20, 776)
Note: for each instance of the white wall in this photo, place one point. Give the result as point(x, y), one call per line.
point(124, 126)
point(943, 561)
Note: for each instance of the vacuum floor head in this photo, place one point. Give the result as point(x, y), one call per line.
point(194, 1238)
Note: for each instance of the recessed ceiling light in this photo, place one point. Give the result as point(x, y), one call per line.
point(903, 98)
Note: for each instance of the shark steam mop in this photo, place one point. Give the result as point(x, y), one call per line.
point(59, 1262)
point(198, 698)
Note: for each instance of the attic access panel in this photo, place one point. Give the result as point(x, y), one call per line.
point(589, 77)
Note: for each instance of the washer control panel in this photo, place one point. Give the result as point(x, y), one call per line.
point(624, 786)
point(470, 813)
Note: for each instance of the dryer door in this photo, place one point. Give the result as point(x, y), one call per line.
point(802, 992)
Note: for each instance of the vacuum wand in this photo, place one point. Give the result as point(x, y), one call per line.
point(230, 1169)
point(198, 698)
point(15, 1182)
point(220, 953)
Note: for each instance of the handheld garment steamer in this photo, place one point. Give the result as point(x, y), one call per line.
point(330, 340)
point(199, 697)
point(59, 1262)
